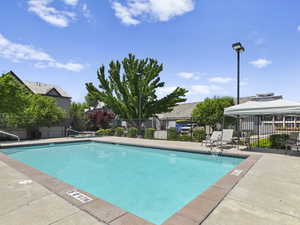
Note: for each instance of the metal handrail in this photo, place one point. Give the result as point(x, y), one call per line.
point(9, 134)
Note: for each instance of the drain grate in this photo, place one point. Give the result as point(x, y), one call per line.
point(79, 196)
point(236, 172)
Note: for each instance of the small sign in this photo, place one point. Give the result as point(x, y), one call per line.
point(79, 196)
point(236, 172)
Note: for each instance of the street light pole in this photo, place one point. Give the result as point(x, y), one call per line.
point(238, 47)
point(238, 78)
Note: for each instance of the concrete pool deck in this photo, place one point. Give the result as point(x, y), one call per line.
point(268, 194)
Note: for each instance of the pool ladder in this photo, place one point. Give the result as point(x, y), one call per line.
point(9, 134)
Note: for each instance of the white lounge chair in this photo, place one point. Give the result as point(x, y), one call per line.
point(226, 137)
point(214, 138)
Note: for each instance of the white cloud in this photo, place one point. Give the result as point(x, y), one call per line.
point(186, 75)
point(124, 14)
point(71, 2)
point(261, 63)
point(59, 18)
point(220, 80)
point(86, 11)
point(134, 11)
point(298, 28)
point(19, 52)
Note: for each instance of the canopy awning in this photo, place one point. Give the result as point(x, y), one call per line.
point(255, 108)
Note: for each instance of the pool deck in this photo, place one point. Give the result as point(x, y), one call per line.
point(268, 192)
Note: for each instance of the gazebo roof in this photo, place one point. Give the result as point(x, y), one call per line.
point(255, 108)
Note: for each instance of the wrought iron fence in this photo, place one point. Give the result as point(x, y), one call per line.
point(270, 131)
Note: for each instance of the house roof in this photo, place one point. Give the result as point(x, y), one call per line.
point(41, 88)
point(180, 111)
point(44, 89)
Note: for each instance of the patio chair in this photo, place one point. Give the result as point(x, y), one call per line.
point(211, 140)
point(226, 137)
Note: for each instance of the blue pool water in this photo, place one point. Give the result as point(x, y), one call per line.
point(150, 183)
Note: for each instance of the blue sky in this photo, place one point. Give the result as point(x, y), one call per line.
point(63, 42)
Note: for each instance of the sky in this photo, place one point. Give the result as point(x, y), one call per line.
point(64, 42)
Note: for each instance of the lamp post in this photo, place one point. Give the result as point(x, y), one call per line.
point(238, 47)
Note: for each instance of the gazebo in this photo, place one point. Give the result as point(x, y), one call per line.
point(259, 108)
point(261, 119)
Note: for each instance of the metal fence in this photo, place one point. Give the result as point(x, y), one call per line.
point(270, 131)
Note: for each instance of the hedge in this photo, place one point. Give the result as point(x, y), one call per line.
point(149, 133)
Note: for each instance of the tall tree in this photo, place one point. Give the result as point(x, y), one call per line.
point(21, 108)
point(211, 110)
point(12, 95)
point(130, 89)
point(78, 118)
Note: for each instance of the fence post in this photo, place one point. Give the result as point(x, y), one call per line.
point(258, 130)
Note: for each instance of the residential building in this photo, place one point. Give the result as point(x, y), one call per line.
point(62, 98)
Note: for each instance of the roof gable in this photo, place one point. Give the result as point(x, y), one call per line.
point(53, 92)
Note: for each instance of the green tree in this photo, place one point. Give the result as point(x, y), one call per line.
point(78, 119)
point(131, 82)
point(12, 95)
point(42, 111)
point(210, 111)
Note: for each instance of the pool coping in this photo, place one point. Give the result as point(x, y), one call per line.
point(195, 212)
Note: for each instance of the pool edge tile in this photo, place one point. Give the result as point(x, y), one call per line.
point(103, 211)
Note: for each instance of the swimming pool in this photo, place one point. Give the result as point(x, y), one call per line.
point(150, 183)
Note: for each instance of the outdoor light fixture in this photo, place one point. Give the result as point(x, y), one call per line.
point(238, 47)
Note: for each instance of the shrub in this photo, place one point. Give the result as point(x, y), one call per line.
point(132, 132)
point(278, 140)
point(199, 135)
point(108, 132)
point(185, 137)
point(149, 133)
point(262, 143)
point(104, 132)
point(119, 131)
point(100, 132)
point(172, 134)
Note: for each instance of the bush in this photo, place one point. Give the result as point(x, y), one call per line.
point(108, 132)
point(199, 135)
point(100, 132)
point(149, 133)
point(172, 134)
point(262, 143)
point(132, 132)
point(119, 131)
point(276, 141)
point(185, 137)
point(104, 132)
